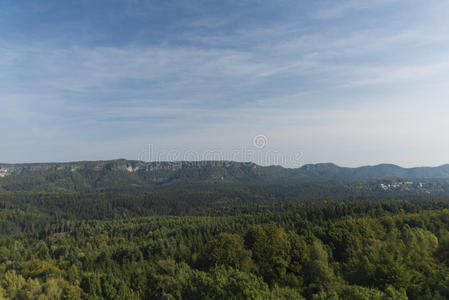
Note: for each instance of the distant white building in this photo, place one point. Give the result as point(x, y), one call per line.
point(3, 172)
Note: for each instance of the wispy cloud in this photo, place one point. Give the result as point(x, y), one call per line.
point(314, 69)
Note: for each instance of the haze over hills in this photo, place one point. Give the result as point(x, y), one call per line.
point(116, 174)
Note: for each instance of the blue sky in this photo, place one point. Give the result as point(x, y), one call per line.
point(352, 82)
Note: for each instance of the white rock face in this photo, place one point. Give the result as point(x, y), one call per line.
point(115, 165)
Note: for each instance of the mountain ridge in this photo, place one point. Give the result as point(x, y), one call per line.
point(379, 171)
point(133, 175)
point(321, 169)
point(324, 170)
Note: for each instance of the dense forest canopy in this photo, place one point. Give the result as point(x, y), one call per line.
point(91, 234)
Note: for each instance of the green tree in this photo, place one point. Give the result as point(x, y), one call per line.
point(229, 250)
point(269, 245)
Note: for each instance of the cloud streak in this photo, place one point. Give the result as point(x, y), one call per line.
point(307, 80)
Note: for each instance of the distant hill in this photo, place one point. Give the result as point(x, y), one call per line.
point(138, 175)
point(329, 170)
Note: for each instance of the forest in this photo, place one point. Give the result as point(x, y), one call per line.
point(96, 230)
point(235, 242)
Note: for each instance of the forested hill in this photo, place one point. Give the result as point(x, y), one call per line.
point(137, 175)
point(129, 230)
point(381, 171)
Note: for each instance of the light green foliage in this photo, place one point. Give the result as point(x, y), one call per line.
point(351, 292)
point(13, 283)
point(224, 283)
point(392, 294)
point(318, 271)
point(270, 246)
point(229, 250)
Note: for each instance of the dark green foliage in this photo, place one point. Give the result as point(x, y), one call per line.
point(256, 256)
point(222, 242)
point(137, 176)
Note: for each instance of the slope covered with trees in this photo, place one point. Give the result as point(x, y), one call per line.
point(361, 249)
point(125, 175)
point(195, 238)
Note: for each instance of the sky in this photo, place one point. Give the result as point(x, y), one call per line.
point(281, 82)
